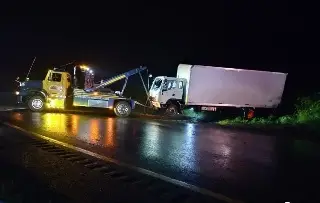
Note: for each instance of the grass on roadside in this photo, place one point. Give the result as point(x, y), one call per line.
point(307, 113)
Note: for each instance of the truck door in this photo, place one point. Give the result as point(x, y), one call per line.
point(170, 90)
point(179, 90)
point(54, 84)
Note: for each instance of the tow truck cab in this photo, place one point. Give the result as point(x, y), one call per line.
point(37, 93)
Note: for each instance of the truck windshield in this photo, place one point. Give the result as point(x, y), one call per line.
point(156, 84)
point(55, 77)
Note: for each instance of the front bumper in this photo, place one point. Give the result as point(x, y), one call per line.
point(56, 103)
point(155, 104)
point(20, 96)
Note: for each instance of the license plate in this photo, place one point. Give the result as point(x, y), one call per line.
point(208, 108)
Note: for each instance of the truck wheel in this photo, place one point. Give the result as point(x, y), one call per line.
point(122, 109)
point(172, 110)
point(36, 103)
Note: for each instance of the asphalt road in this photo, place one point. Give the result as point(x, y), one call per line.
point(34, 170)
point(241, 165)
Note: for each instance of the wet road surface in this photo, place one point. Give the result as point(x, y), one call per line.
point(240, 165)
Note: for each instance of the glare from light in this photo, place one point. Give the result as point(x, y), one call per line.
point(187, 157)
point(84, 67)
point(94, 131)
point(55, 103)
point(75, 124)
point(36, 119)
point(54, 122)
point(151, 142)
point(110, 133)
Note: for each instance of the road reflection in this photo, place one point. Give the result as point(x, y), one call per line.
point(222, 142)
point(97, 131)
point(184, 146)
point(151, 142)
point(203, 154)
point(56, 123)
point(176, 147)
point(110, 132)
point(94, 131)
point(18, 116)
point(187, 158)
point(74, 124)
point(36, 119)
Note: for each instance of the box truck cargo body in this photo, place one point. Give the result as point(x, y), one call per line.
point(209, 88)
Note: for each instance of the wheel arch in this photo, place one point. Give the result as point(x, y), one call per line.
point(130, 102)
point(175, 102)
point(41, 93)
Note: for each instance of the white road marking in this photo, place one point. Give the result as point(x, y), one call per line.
point(11, 109)
point(194, 188)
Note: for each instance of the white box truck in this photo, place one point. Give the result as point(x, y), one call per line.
point(209, 88)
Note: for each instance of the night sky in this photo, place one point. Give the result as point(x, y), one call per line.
point(270, 35)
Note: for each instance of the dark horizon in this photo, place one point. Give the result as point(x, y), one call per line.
point(262, 36)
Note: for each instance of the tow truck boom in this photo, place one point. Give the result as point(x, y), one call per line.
point(116, 78)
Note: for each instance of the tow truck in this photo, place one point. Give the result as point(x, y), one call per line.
point(59, 90)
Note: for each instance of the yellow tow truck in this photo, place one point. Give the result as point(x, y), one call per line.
point(61, 90)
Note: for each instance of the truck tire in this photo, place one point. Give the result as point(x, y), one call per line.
point(172, 110)
point(122, 109)
point(36, 103)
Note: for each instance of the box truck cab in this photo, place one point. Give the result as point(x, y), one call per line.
point(167, 90)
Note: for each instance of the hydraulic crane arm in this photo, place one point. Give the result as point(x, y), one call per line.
point(114, 79)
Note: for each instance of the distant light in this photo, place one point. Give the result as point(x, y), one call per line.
point(84, 67)
point(90, 71)
point(150, 75)
point(17, 93)
point(192, 109)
